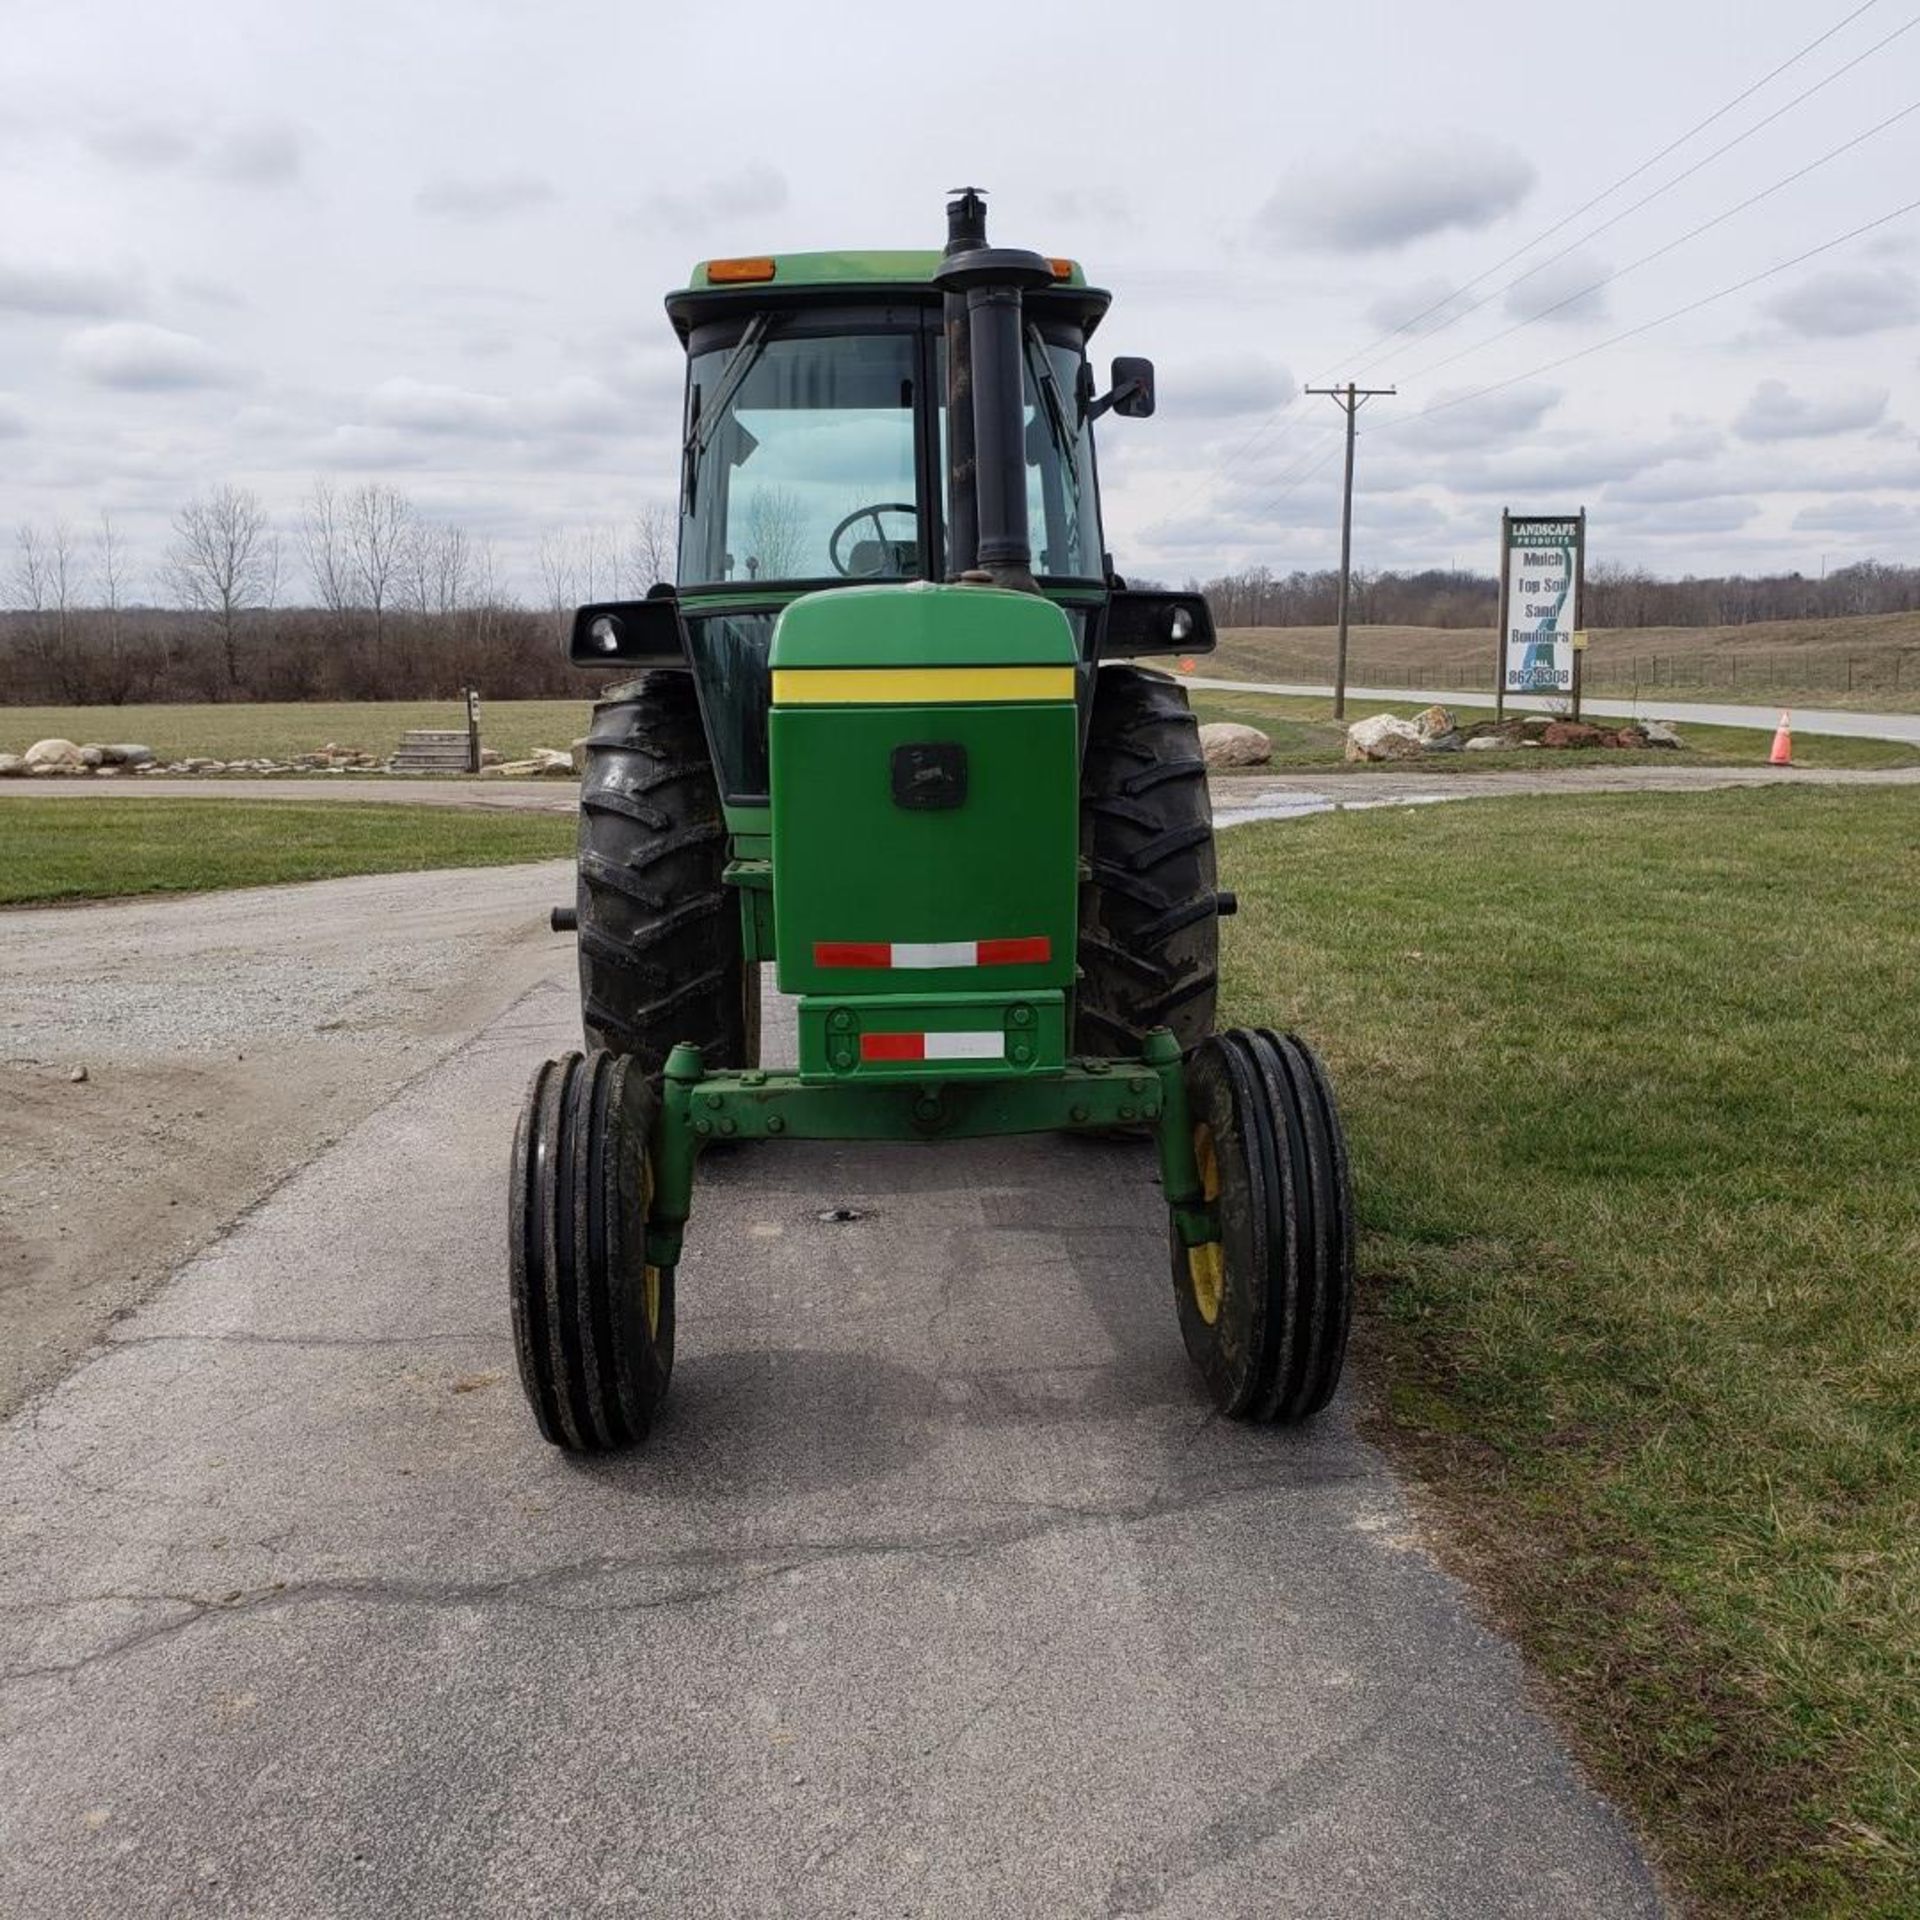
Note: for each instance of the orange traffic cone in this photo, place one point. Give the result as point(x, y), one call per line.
point(1782, 754)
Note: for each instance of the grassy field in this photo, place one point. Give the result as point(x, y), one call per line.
point(1306, 738)
point(89, 850)
point(1633, 1086)
point(1871, 664)
point(277, 732)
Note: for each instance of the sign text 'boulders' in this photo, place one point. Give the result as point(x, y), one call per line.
point(1542, 561)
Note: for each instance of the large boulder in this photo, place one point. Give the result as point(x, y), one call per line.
point(1383, 738)
point(1487, 743)
point(55, 756)
point(125, 754)
point(1575, 733)
point(1225, 743)
point(552, 760)
point(1660, 734)
point(1431, 722)
point(12, 767)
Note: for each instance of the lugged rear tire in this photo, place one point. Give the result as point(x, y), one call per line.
point(661, 959)
point(1149, 910)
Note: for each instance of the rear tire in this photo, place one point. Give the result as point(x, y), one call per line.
point(1265, 1310)
point(1149, 911)
point(592, 1322)
point(661, 959)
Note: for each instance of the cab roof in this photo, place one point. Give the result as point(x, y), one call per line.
point(784, 279)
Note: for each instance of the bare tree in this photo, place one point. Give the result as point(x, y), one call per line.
point(651, 548)
point(323, 533)
point(439, 563)
point(558, 570)
point(224, 562)
point(776, 533)
point(379, 525)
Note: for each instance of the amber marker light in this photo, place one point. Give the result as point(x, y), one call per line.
point(1062, 269)
point(732, 272)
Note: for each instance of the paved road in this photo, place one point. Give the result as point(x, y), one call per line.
point(1861, 726)
point(939, 1591)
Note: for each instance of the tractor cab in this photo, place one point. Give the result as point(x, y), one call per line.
point(817, 453)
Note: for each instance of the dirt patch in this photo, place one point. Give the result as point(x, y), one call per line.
point(226, 1040)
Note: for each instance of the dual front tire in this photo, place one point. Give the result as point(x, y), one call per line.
point(1264, 1309)
point(592, 1321)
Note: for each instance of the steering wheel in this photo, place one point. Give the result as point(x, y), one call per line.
point(873, 513)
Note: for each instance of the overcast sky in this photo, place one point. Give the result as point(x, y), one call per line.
point(427, 244)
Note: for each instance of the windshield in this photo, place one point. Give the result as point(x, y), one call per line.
point(800, 461)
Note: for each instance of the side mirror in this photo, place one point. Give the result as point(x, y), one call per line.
point(1141, 621)
point(629, 633)
point(1131, 394)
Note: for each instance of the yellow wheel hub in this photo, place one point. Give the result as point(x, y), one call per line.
point(1207, 1263)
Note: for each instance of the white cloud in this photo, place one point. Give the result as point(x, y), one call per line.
point(1389, 195)
point(422, 407)
point(1848, 301)
point(1495, 418)
point(269, 154)
point(481, 197)
point(1423, 307)
point(1774, 412)
point(747, 193)
point(1224, 385)
point(80, 292)
point(1564, 293)
point(132, 355)
point(13, 420)
point(1851, 514)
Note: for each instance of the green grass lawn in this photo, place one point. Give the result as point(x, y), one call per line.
point(279, 731)
point(1633, 1089)
point(1306, 738)
point(89, 850)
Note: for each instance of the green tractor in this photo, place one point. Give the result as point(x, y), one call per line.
point(885, 733)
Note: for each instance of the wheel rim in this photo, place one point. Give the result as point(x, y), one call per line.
point(650, 1279)
point(1207, 1263)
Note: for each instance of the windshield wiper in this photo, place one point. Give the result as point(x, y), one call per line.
point(707, 418)
point(1042, 364)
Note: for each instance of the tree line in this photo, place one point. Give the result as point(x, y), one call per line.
point(364, 598)
point(1617, 596)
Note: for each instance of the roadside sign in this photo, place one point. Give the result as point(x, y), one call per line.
point(1542, 573)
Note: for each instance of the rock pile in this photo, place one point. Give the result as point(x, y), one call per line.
point(1434, 731)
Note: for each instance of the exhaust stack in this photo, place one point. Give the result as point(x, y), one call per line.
point(986, 383)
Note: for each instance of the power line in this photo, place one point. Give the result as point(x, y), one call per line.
point(1647, 326)
point(1593, 233)
point(1633, 266)
point(1263, 426)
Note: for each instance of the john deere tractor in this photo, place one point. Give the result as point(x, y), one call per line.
point(886, 734)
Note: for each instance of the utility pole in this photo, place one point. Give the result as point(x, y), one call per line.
point(1350, 399)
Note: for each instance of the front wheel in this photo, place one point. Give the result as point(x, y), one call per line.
point(592, 1322)
point(1265, 1308)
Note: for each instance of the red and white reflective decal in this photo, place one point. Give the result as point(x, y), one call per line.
point(933, 1046)
point(918, 954)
